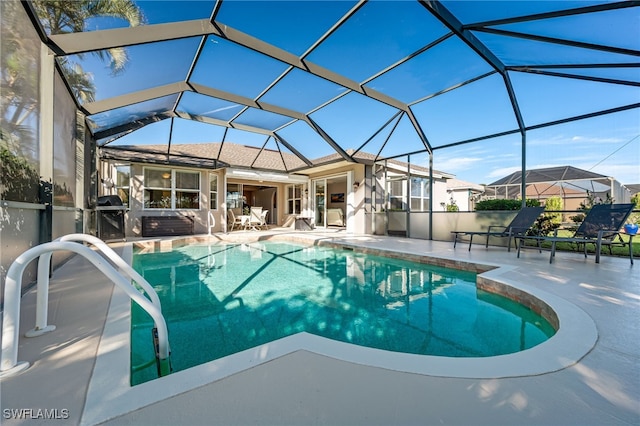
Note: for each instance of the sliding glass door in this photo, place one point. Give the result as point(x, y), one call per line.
point(330, 201)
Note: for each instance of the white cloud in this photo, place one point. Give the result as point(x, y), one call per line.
point(586, 139)
point(572, 140)
point(455, 164)
point(623, 173)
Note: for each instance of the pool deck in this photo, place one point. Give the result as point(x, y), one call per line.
point(304, 386)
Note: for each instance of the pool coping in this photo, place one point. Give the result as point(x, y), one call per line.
point(109, 394)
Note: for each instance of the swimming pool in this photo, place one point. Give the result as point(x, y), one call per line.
point(224, 298)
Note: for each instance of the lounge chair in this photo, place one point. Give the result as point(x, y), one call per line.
point(335, 217)
point(601, 226)
point(520, 224)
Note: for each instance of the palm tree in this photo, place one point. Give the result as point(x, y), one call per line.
point(67, 16)
point(19, 60)
point(19, 97)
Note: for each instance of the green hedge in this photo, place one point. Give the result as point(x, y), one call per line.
point(503, 204)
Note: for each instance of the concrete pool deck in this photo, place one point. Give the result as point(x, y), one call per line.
point(306, 386)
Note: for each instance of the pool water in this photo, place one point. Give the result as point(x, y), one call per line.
point(224, 298)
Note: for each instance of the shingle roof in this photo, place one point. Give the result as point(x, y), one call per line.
point(634, 188)
point(461, 184)
point(216, 155)
point(207, 155)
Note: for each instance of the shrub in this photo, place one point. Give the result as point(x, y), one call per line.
point(554, 203)
point(19, 180)
point(504, 204)
point(544, 225)
point(635, 217)
point(452, 206)
point(588, 203)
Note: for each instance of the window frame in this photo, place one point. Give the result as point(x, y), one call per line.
point(291, 200)
point(423, 197)
point(213, 191)
point(397, 198)
point(234, 201)
point(184, 190)
point(124, 188)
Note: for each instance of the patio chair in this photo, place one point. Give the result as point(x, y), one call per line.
point(255, 218)
point(601, 226)
point(520, 224)
point(233, 220)
point(263, 220)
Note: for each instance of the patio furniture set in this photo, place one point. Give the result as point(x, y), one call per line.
point(255, 220)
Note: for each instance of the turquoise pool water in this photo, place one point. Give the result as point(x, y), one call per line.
point(224, 298)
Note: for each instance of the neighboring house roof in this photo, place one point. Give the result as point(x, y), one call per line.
point(564, 176)
point(634, 188)
point(457, 184)
point(218, 155)
point(550, 174)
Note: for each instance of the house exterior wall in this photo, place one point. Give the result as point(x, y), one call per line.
point(357, 205)
point(440, 194)
point(136, 210)
point(461, 198)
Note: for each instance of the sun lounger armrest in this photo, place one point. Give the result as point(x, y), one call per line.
point(606, 234)
point(493, 228)
point(515, 229)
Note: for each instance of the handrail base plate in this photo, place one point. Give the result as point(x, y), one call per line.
point(15, 370)
point(35, 332)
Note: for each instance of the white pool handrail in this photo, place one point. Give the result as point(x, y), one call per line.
point(44, 262)
point(9, 365)
point(211, 221)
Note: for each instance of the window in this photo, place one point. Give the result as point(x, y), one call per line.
point(187, 190)
point(171, 189)
point(294, 198)
point(397, 192)
point(213, 192)
point(157, 191)
point(234, 196)
point(419, 194)
point(123, 181)
point(397, 187)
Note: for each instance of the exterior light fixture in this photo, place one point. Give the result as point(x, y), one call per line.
point(108, 183)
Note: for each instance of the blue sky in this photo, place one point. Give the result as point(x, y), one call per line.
point(369, 42)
